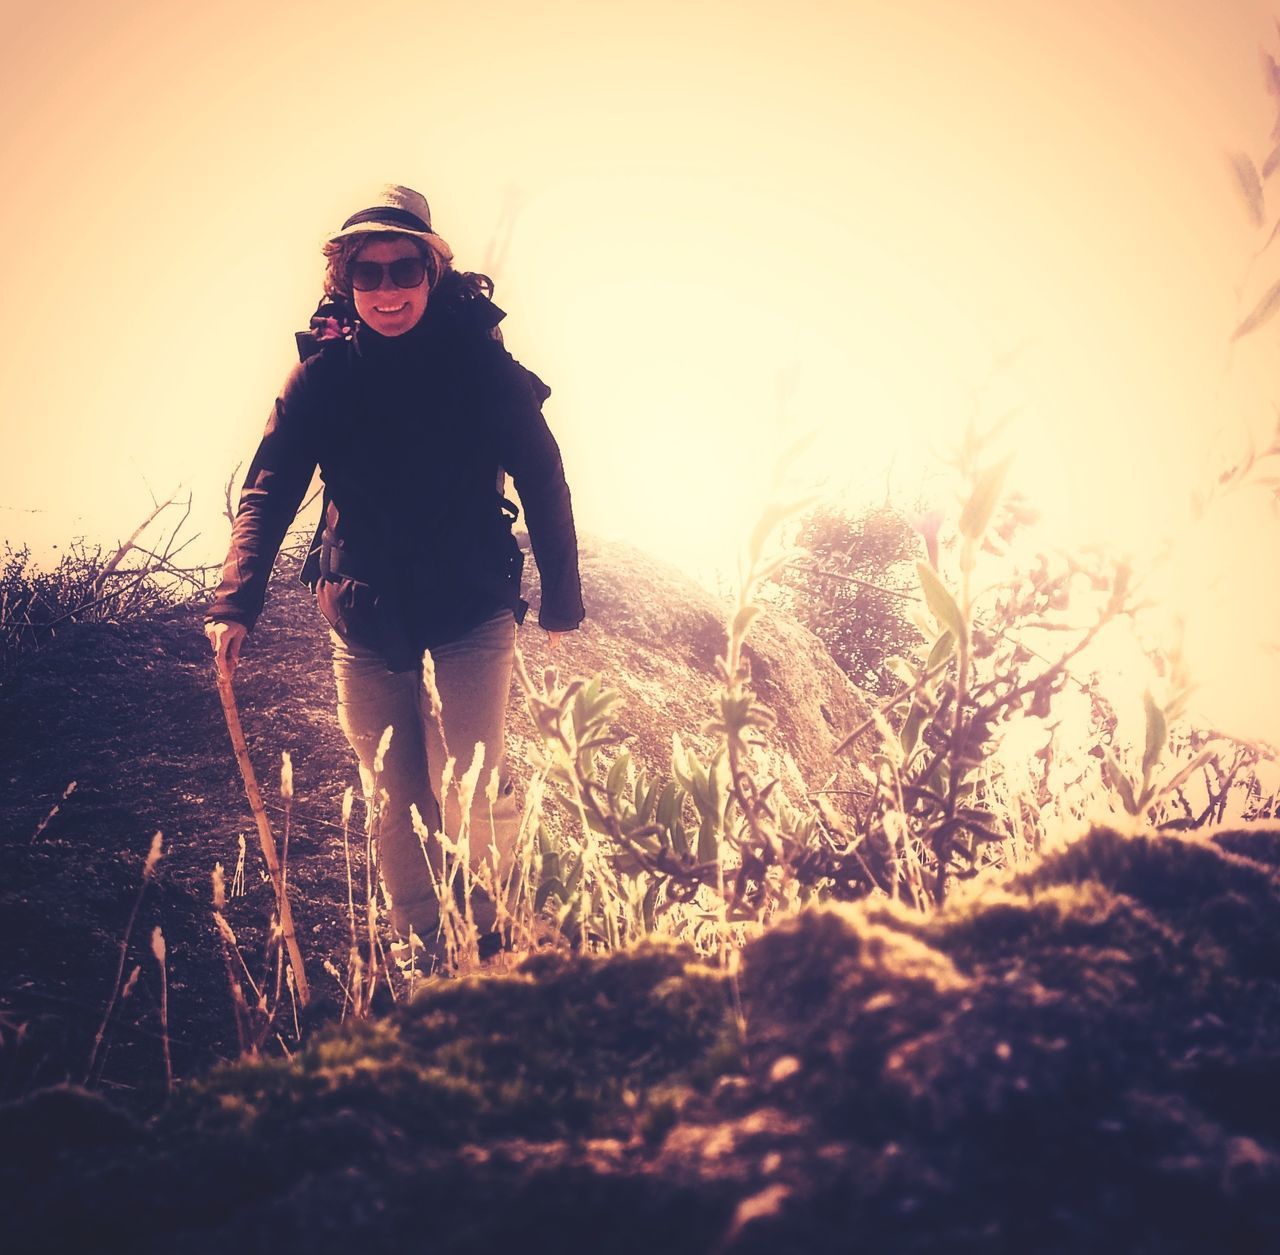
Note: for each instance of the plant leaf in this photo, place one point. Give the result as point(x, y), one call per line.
point(942, 649)
point(678, 755)
point(648, 908)
point(771, 518)
point(573, 880)
point(902, 669)
point(743, 619)
point(545, 890)
point(669, 805)
point(1178, 704)
point(1189, 770)
point(1120, 782)
point(941, 602)
point(1250, 187)
point(1261, 313)
point(911, 729)
point(981, 505)
point(1271, 239)
point(617, 774)
point(1157, 735)
point(707, 843)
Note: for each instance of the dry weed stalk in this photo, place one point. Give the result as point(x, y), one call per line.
point(148, 870)
point(158, 949)
point(237, 880)
point(229, 946)
point(364, 973)
point(353, 990)
point(253, 1023)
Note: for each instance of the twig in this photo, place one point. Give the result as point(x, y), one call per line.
point(254, 794)
point(95, 588)
point(57, 806)
point(168, 551)
point(853, 579)
point(142, 576)
point(231, 479)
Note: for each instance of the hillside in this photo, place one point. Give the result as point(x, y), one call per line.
point(130, 713)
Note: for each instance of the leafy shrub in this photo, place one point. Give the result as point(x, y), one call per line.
point(853, 586)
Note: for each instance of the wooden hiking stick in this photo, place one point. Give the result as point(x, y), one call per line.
point(254, 794)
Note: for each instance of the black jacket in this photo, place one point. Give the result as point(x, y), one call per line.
point(411, 435)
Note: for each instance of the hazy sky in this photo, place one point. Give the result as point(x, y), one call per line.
point(725, 223)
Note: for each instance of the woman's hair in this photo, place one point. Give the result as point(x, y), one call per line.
point(339, 254)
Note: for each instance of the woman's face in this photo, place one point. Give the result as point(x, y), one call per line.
point(388, 309)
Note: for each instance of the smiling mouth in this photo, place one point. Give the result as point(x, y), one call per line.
point(399, 309)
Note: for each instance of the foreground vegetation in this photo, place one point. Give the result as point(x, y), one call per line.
point(1072, 1062)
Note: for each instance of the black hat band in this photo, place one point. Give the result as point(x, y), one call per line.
point(388, 217)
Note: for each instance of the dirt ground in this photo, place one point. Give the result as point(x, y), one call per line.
point(130, 713)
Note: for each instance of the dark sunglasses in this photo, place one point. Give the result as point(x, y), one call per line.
point(404, 272)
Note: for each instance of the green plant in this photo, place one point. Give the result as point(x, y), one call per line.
point(711, 849)
point(986, 661)
point(603, 878)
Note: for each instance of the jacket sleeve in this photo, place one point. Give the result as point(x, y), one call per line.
point(273, 490)
point(530, 455)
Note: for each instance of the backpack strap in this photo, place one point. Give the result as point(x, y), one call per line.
point(334, 319)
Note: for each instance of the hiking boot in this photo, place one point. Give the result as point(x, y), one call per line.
point(491, 944)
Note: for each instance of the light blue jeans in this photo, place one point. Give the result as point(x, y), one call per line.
point(473, 679)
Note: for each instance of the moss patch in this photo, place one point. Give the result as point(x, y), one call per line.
point(1079, 1059)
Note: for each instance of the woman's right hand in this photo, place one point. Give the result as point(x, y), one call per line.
point(226, 638)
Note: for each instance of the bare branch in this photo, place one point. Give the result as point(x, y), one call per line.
point(853, 579)
point(119, 555)
point(231, 479)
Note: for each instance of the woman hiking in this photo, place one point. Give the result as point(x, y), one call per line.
point(413, 419)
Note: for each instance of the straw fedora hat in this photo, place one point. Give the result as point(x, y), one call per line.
point(394, 210)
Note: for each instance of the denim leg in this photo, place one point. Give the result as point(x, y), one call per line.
point(370, 699)
point(473, 678)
